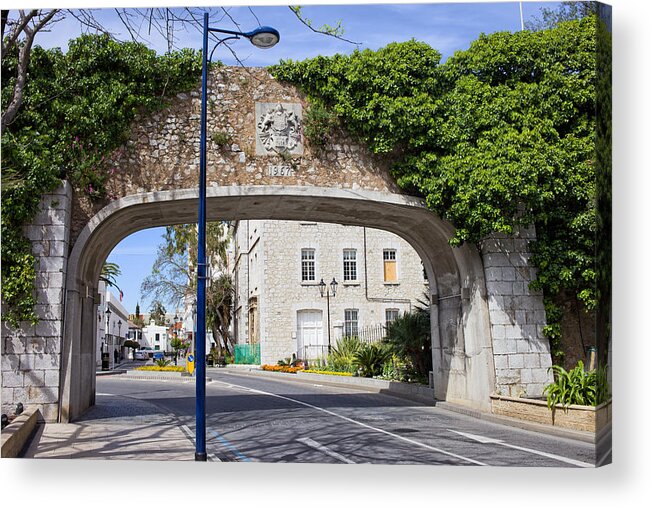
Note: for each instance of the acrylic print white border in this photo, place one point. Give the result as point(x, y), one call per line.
point(624, 482)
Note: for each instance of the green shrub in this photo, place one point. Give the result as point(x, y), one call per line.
point(318, 124)
point(408, 337)
point(342, 357)
point(370, 359)
point(577, 387)
point(162, 363)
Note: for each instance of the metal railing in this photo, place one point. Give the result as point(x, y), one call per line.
point(372, 334)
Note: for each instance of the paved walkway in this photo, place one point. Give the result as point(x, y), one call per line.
point(116, 427)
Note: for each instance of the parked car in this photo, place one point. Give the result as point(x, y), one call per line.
point(141, 355)
point(158, 355)
point(149, 351)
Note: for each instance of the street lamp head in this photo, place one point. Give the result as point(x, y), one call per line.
point(108, 313)
point(322, 287)
point(333, 285)
point(263, 37)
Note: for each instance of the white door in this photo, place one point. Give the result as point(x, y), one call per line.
point(309, 334)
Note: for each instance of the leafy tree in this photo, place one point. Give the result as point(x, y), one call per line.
point(566, 11)
point(173, 276)
point(76, 108)
point(27, 25)
point(170, 278)
point(138, 319)
point(501, 135)
point(157, 312)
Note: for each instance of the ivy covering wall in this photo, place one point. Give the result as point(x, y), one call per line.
point(78, 107)
point(500, 135)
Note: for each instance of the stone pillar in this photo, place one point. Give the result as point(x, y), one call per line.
point(517, 316)
point(31, 354)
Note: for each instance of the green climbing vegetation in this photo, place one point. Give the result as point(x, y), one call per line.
point(77, 109)
point(499, 136)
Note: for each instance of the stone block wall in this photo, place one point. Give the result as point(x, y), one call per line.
point(31, 354)
point(517, 315)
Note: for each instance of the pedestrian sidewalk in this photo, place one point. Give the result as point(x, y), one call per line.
point(116, 427)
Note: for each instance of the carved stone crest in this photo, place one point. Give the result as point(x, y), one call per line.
point(278, 128)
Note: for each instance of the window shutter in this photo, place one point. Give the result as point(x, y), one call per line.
point(390, 274)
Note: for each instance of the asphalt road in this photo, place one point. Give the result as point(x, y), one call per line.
point(268, 420)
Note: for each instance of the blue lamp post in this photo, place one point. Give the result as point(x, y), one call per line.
point(262, 37)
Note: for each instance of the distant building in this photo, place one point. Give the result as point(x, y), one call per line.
point(112, 326)
point(277, 268)
point(156, 337)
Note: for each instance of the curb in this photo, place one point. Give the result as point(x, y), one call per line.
point(18, 432)
point(160, 375)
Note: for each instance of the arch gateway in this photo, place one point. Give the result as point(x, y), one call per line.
point(486, 323)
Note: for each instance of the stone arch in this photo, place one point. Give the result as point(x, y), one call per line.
point(461, 332)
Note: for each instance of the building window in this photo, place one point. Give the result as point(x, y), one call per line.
point(350, 265)
point(157, 337)
point(424, 273)
point(351, 322)
point(390, 315)
point(390, 271)
point(308, 269)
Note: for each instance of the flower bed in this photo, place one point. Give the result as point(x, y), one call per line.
point(282, 369)
point(161, 368)
point(325, 372)
point(574, 417)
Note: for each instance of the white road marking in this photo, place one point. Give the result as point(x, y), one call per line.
point(353, 421)
point(190, 436)
point(488, 440)
point(319, 447)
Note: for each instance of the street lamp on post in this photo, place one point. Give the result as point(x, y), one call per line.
point(262, 37)
point(176, 335)
point(119, 335)
point(327, 292)
point(107, 339)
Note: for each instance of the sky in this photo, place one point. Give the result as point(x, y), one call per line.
point(448, 27)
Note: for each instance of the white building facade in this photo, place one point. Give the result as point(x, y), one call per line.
point(112, 326)
point(156, 337)
point(277, 269)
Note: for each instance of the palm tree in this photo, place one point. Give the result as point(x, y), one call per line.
point(409, 338)
point(109, 274)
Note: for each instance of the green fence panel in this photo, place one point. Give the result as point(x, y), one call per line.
point(247, 354)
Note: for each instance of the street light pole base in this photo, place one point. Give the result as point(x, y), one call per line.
point(200, 456)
